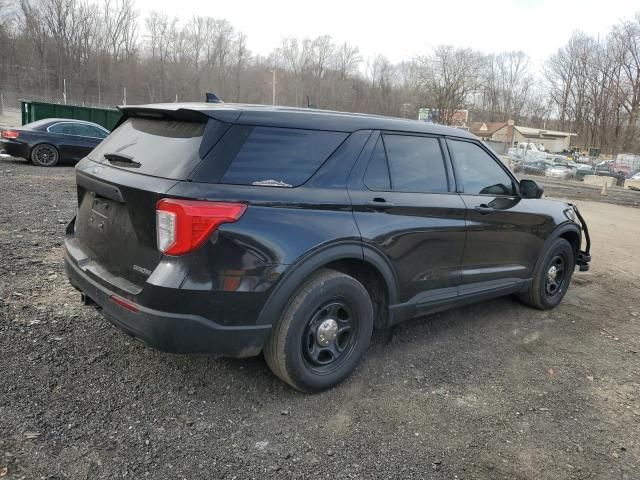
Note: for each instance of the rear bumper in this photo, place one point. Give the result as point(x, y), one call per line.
point(169, 332)
point(14, 148)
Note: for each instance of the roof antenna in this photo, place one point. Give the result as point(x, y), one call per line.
point(213, 98)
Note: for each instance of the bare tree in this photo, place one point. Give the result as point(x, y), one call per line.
point(450, 75)
point(241, 60)
point(347, 58)
point(506, 82)
point(99, 48)
point(626, 52)
point(120, 23)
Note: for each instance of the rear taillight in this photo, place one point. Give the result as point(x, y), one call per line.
point(184, 225)
point(10, 134)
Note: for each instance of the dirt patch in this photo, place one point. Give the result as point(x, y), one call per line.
point(493, 390)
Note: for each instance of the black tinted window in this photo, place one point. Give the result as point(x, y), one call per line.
point(89, 131)
point(281, 156)
point(416, 164)
point(377, 174)
point(479, 173)
point(162, 148)
point(64, 128)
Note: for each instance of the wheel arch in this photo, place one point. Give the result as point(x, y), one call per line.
point(573, 237)
point(570, 232)
point(362, 262)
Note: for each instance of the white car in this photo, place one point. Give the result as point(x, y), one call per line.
point(561, 170)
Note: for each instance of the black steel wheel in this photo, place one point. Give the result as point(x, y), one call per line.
point(552, 276)
point(44, 155)
point(323, 333)
point(554, 281)
point(330, 336)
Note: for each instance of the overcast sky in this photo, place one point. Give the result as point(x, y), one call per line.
point(401, 29)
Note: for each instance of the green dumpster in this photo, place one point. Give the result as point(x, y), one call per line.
point(32, 111)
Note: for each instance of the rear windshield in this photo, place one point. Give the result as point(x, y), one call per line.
point(162, 148)
point(268, 156)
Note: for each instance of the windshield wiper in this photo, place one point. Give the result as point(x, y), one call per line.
point(122, 160)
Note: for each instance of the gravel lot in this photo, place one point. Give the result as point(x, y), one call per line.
point(490, 391)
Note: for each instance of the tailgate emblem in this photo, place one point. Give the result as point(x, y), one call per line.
point(140, 269)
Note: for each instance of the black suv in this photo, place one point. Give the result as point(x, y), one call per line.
point(237, 229)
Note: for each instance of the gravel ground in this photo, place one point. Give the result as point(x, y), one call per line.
point(490, 391)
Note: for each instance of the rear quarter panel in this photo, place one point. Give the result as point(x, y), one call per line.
point(280, 228)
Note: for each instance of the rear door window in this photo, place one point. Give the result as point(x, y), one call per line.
point(85, 130)
point(416, 164)
point(285, 157)
point(63, 128)
point(161, 148)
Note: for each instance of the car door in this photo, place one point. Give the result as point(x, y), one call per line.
point(88, 138)
point(63, 136)
point(406, 207)
point(505, 233)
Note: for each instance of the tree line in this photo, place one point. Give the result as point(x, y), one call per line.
point(103, 52)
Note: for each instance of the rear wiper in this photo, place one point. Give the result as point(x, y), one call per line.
point(122, 160)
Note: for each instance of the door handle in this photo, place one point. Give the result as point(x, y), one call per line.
point(379, 204)
point(484, 209)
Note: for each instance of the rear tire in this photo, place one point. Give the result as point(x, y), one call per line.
point(44, 155)
point(323, 332)
point(552, 277)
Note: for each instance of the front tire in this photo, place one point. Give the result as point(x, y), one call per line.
point(552, 277)
point(323, 332)
point(44, 155)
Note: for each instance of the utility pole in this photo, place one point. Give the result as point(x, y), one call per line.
point(124, 98)
point(273, 87)
point(64, 90)
point(99, 90)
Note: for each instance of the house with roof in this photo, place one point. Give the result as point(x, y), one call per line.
point(507, 132)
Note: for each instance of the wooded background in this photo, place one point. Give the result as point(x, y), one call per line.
point(103, 48)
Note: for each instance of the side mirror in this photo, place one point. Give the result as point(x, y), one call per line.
point(530, 189)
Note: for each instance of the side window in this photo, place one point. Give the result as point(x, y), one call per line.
point(416, 164)
point(377, 175)
point(100, 133)
point(274, 156)
point(97, 133)
point(84, 130)
point(64, 128)
point(478, 172)
point(89, 131)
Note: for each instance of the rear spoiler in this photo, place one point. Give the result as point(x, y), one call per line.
point(198, 113)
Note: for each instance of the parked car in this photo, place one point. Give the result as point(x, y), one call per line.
point(236, 230)
point(601, 169)
point(561, 170)
point(636, 176)
point(538, 167)
point(47, 142)
point(583, 172)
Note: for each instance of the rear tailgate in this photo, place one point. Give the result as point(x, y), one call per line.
point(115, 226)
point(119, 185)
